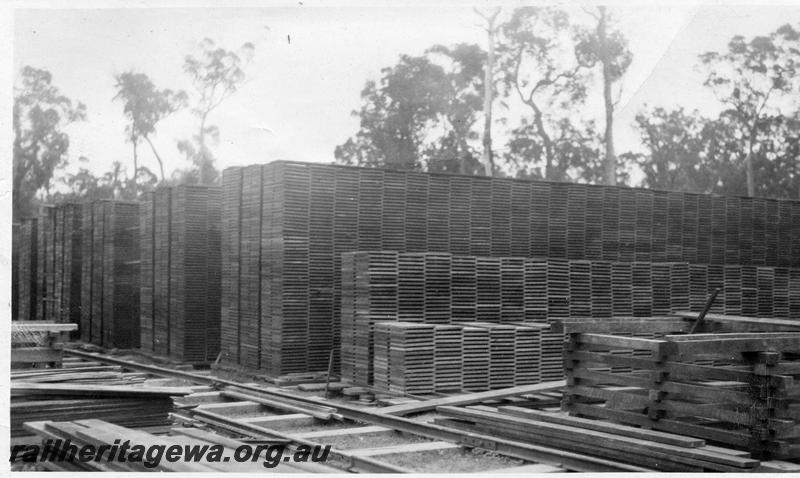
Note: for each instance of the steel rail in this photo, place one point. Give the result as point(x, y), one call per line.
point(538, 454)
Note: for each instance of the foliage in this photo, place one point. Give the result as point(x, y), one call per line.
point(144, 106)
point(537, 56)
point(40, 113)
point(757, 81)
point(579, 149)
point(687, 152)
point(216, 74)
point(421, 114)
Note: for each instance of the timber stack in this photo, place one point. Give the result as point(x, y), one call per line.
point(180, 272)
point(735, 388)
point(110, 274)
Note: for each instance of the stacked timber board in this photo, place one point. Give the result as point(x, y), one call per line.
point(45, 264)
point(438, 288)
point(28, 270)
point(110, 274)
point(180, 272)
point(131, 406)
point(15, 238)
point(414, 358)
point(286, 224)
point(731, 388)
point(58, 263)
point(67, 267)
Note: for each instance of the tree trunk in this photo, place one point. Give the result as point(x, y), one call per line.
point(135, 167)
point(488, 80)
point(549, 153)
point(158, 158)
point(748, 163)
point(611, 157)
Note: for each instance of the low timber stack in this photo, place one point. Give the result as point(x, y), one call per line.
point(110, 274)
point(730, 387)
point(180, 273)
point(440, 289)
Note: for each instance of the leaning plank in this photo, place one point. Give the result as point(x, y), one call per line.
point(469, 398)
point(656, 436)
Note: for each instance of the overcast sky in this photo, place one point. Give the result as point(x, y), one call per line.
point(311, 63)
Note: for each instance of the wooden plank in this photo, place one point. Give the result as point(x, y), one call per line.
point(716, 394)
point(22, 388)
point(650, 462)
point(406, 448)
point(767, 323)
point(38, 326)
point(290, 420)
point(733, 335)
point(322, 413)
point(660, 437)
point(532, 468)
point(778, 466)
point(470, 398)
point(621, 325)
point(678, 369)
point(596, 437)
point(658, 347)
point(671, 407)
point(360, 431)
point(35, 355)
point(243, 407)
point(731, 437)
point(731, 347)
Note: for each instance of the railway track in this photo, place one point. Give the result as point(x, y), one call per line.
point(362, 438)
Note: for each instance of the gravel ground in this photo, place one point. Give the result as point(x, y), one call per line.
point(451, 461)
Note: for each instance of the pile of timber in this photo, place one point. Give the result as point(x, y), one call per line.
point(45, 264)
point(414, 358)
point(648, 448)
point(733, 388)
point(137, 407)
point(27, 270)
point(440, 288)
point(285, 226)
point(82, 375)
point(181, 272)
point(110, 274)
point(16, 235)
point(37, 343)
point(98, 433)
point(63, 275)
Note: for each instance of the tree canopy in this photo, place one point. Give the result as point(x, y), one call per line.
point(144, 106)
point(41, 145)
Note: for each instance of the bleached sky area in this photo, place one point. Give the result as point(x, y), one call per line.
point(312, 61)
